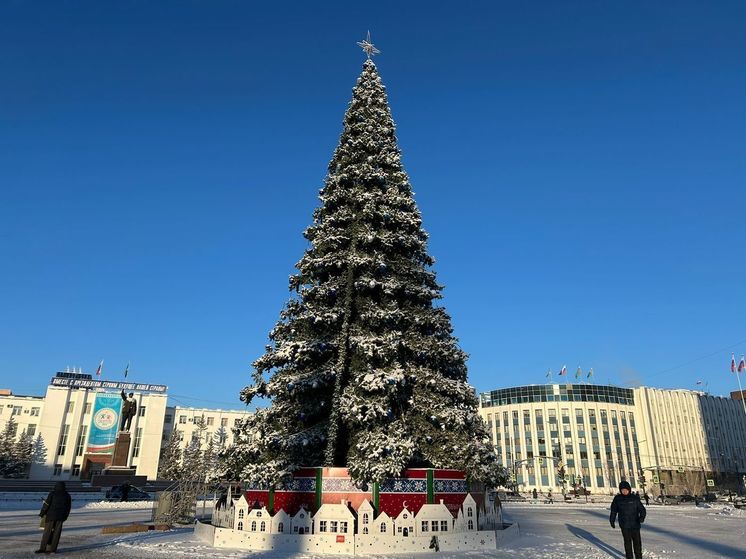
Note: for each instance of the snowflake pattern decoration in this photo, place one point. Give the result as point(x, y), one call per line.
point(451, 486)
point(368, 47)
point(404, 486)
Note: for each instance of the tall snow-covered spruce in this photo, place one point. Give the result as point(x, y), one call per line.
point(363, 370)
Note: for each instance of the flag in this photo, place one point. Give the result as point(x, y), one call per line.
point(590, 372)
point(732, 362)
point(549, 373)
point(126, 370)
point(578, 373)
point(100, 368)
point(742, 364)
point(563, 371)
point(699, 382)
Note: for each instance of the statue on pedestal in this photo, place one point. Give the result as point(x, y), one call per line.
point(129, 409)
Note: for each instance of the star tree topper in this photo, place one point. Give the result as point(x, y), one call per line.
point(368, 47)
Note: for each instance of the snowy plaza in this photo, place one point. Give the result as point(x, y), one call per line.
point(560, 531)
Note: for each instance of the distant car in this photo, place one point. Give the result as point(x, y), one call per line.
point(668, 499)
point(686, 498)
point(508, 496)
point(135, 494)
point(711, 497)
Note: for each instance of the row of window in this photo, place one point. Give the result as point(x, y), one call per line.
point(209, 420)
point(18, 410)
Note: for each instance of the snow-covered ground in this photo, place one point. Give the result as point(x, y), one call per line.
point(557, 531)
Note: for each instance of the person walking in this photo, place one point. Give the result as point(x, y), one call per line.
point(647, 499)
point(631, 513)
point(535, 494)
point(125, 492)
point(550, 498)
point(55, 510)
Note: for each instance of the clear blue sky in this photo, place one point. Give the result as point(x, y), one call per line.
point(580, 167)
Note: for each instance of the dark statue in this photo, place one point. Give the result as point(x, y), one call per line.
point(129, 409)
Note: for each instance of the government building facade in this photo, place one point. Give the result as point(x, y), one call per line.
point(566, 436)
point(64, 419)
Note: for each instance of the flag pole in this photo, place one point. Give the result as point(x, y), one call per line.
point(740, 390)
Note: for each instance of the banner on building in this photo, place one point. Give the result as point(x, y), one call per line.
point(105, 424)
point(107, 385)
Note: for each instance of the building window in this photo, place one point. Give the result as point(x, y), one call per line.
point(87, 409)
point(168, 418)
point(295, 529)
point(224, 422)
point(443, 525)
point(35, 412)
point(470, 525)
point(210, 420)
point(240, 513)
point(281, 527)
point(469, 511)
point(180, 435)
point(240, 525)
point(141, 411)
point(17, 410)
point(365, 518)
point(322, 526)
point(434, 525)
point(253, 525)
point(80, 443)
point(31, 429)
point(76, 470)
point(236, 422)
point(182, 419)
point(343, 527)
point(57, 469)
point(62, 447)
point(365, 529)
point(383, 527)
point(136, 445)
point(263, 526)
point(332, 525)
point(70, 407)
point(425, 526)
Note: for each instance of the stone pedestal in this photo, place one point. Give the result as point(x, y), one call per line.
point(121, 450)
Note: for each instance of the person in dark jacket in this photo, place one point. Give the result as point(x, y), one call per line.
point(55, 510)
point(631, 513)
point(647, 499)
point(125, 492)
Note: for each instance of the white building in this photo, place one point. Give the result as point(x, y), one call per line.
point(601, 435)
point(63, 420)
point(63, 417)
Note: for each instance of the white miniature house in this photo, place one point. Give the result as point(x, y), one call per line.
point(383, 524)
point(334, 519)
point(302, 522)
point(470, 514)
point(258, 520)
point(281, 523)
point(366, 514)
point(404, 523)
point(432, 520)
point(241, 510)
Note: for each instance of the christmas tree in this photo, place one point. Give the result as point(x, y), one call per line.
point(363, 370)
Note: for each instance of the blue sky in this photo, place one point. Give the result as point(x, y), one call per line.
point(580, 167)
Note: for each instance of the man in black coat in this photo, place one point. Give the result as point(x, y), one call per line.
point(631, 513)
point(55, 510)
